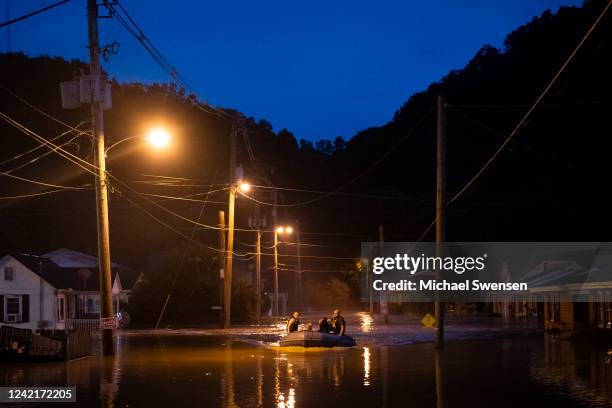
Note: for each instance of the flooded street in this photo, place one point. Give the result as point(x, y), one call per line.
point(243, 367)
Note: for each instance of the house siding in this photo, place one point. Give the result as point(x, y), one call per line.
point(28, 283)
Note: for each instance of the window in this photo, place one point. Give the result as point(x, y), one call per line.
point(9, 273)
point(93, 305)
point(12, 308)
point(60, 309)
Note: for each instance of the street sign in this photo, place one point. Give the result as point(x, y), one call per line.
point(428, 320)
point(108, 323)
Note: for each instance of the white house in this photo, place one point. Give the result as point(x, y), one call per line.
point(56, 291)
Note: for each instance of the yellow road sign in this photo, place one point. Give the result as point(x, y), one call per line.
point(428, 320)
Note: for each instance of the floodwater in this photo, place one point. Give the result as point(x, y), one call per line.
point(484, 364)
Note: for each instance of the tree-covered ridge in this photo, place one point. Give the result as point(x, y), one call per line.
point(556, 157)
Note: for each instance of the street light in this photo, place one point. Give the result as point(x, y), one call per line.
point(279, 230)
point(159, 138)
point(244, 187)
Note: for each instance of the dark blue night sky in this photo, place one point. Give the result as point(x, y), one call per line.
point(320, 69)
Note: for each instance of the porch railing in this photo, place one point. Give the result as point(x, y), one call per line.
point(83, 324)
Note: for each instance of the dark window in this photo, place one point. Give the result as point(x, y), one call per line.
point(60, 309)
point(12, 310)
point(9, 273)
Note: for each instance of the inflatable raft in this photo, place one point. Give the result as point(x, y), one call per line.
point(315, 339)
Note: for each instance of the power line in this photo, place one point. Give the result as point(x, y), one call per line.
point(369, 196)
point(532, 108)
point(542, 105)
point(44, 113)
point(523, 119)
point(357, 177)
point(77, 161)
point(40, 183)
point(25, 16)
point(32, 150)
point(56, 149)
point(33, 194)
point(186, 198)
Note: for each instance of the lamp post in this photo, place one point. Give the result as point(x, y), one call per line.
point(242, 187)
point(280, 230)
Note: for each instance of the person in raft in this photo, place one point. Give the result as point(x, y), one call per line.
point(338, 325)
point(324, 326)
point(293, 323)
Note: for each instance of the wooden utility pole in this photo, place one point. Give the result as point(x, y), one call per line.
point(222, 256)
point(230, 230)
point(97, 122)
point(440, 211)
point(258, 277)
point(275, 272)
point(298, 270)
point(383, 306)
point(229, 255)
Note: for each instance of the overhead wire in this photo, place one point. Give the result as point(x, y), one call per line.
point(523, 119)
point(33, 194)
point(186, 250)
point(37, 147)
point(357, 195)
point(358, 176)
point(44, 113)
point(532, 108)
point(40, 183)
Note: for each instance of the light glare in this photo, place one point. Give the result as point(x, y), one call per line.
point(159, 138)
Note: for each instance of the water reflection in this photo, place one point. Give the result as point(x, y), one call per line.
point(366, 322)
point(366, 366)
point(227, 376)
point(576, 369)
point(218, 372)
point(109, 381)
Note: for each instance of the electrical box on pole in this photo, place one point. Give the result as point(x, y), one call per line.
point(85, 90)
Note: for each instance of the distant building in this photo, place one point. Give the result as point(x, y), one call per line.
point(58, 290)
point(564, 295)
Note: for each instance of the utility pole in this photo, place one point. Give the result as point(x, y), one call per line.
point(298, 271)
point(230, 230)
point(222, 256)
point(229, 255)
point(440, 211)
point(382, 303)
point(371, 299)
point(275, 272)
point(97, 121)
point(258, 278)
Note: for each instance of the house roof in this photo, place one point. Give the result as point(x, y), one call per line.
point(555, 273)
point(69, 258)
point(68, 269)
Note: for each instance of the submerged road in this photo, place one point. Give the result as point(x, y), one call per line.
point(485, 364)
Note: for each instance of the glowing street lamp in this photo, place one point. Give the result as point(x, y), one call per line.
point(244, 187)
point(159, 138)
